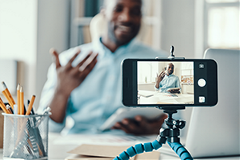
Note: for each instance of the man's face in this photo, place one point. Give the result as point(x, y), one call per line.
point(170, 68)
point(124, 20)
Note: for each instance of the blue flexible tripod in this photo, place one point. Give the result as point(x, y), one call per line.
point(170, 134)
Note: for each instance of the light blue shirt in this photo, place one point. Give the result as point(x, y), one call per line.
point(167, 82)
point(100, 94)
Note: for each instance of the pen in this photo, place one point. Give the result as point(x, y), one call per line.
point(8, 95)
point(30, 105)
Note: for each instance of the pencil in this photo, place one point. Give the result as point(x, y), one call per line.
point(8, 95)
point(32, 111)
point(18, 98)
point(21, 101)
point(2, 105)
point(30, 105)
point(9, 109)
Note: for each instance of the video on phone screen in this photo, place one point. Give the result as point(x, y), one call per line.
point(165, 82)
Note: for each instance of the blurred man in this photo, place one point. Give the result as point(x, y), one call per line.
point(167, 82)
point(89, 90)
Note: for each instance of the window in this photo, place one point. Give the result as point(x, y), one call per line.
point(147, 72)
point(221, 24)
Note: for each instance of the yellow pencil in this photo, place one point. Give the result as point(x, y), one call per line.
point(2, 105)
point(4, 109)
point(21, 101)
point(8, 95)
point(18, 98)
point(30, 105)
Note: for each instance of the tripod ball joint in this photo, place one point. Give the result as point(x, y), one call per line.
point(180, 124)
point(176, 123)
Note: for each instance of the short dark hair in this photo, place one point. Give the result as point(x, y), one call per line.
point(105, 2)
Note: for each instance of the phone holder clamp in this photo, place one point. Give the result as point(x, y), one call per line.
point(172, 56)
point(171, 53)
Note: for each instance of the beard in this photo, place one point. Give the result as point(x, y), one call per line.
point(122, 39)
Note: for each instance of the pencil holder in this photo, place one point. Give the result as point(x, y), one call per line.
point(25, 137)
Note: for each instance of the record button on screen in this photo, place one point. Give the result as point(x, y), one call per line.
point(201, 82)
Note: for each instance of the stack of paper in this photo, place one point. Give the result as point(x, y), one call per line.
point(102, 152)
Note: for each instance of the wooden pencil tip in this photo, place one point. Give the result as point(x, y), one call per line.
point(18, 86)
point(21, 89)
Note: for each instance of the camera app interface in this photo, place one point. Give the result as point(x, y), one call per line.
point(165, 82)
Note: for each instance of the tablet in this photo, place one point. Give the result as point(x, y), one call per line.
point(174, 89)
point(121, 113)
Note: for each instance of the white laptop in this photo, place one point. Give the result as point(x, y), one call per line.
point(215, 131)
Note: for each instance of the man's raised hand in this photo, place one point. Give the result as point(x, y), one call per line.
point(70, 77)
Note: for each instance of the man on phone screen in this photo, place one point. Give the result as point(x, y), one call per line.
point(167, 82)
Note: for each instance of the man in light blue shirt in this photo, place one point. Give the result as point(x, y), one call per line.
point(85, 82)
point(167, 82)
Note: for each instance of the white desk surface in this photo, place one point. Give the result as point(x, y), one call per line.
point(155, 97)
point(58, 150)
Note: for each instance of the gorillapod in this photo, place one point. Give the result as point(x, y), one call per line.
point(170, 134)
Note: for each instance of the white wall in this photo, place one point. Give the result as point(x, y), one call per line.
point(28, 29)
point(52, 31)
point(177, 27)
point(18, 37)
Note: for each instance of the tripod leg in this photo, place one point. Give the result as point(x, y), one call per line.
point(180, 151)
point(137, 149)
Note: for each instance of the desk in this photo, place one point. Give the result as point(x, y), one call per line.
point(58, 151)
point(155, 97)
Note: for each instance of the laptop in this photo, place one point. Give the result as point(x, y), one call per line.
point(215, 131)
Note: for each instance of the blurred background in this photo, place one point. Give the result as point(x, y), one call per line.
point(28, 29)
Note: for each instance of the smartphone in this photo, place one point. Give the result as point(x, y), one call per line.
point(189, 82)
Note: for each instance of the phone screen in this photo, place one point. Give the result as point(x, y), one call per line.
point(165, 82)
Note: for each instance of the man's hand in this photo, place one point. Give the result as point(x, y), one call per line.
point(159, 78)
point(70, 77)
point(140, 125)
